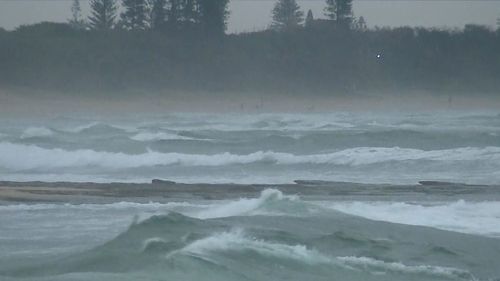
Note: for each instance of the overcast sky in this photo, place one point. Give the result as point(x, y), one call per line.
point(250, 15)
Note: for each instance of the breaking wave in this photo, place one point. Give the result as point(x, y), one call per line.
point(36, 132)
point(268, 203)
point(99, 127)
point(157, 136)
point(459, 216)
point(174, 245)
point(15, 156)
point(381, 267)
point(237, 241)
point(97, 207)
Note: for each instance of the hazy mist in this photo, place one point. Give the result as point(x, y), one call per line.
point(252, 15)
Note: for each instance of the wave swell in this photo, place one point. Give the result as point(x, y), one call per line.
point(26, 157)
point(459, 216)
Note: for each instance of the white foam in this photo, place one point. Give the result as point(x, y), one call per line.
point(100, 207)
point(461, 216)
point(157, 136)
point(244, 206)
point(200, 210)
point(34, 132)
point(377, 266)
point(151, 241)
point(25, 157)
point(81, 128)
point(236, 240)
point(97, 125)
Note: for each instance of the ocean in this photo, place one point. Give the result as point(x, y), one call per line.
point(271, 236)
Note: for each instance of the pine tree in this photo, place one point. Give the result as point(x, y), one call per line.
point(331, 9)
point(361, 24)
point(158, 15)
point(309, 18)
point(213, 15)
point(76, 20)
point(287, 15)
point(340, 11)
point(344, 12)
point(103, 14)
point(134, 14)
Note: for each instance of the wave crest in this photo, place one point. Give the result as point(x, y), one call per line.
point(459, 216)
point(378, 266)
point(36, 132)
point(236, 240)
point(157, 136)
point(262, 204)
point(14, 156)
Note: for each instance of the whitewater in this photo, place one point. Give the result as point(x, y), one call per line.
point(374, 221)
point(270, 237)
point(267, 148)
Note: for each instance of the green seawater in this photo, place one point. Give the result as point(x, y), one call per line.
point(273, 237)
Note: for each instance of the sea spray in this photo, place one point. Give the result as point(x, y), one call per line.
point(12, 157)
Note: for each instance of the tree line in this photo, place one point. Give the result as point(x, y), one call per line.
point(164, 50)
point(209, 15)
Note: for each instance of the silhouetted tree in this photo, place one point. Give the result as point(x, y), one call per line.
point(340, 11)
point(103, 14)
point(287, 15)
point(360, 24)
point(331, 9)
point(309, 18)
point(158, 16)
point(344, 12)
point(76, 20)
point(213, 15)
point(406, 59)
point(134, 14)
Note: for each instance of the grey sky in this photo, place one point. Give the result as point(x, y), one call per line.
point(250, 15)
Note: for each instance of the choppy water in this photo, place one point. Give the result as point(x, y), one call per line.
point(274, 236)
point(271, 148)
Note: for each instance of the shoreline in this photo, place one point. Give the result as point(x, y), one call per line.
point(167, 191)
point(22, 103)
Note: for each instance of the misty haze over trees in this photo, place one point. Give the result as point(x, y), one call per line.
point(181, 45)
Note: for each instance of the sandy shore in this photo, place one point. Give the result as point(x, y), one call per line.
point(163, 191)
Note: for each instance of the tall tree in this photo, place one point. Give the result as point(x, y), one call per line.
point(158, 15)
point(134, 16)
point(213, 15)
point(340, 11)
point(103, 14)
point(331, 9)
point(361, 24)
point(76, 20)
point(309, 18)
point(287, 15)
point(344, 12)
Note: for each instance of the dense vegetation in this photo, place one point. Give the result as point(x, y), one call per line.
point(322, 57)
